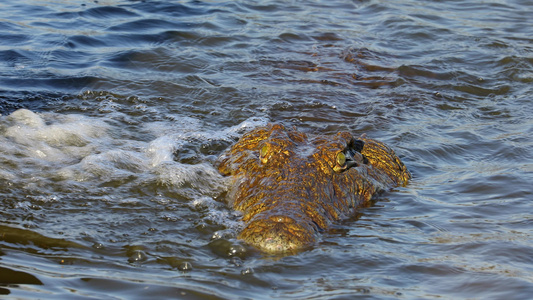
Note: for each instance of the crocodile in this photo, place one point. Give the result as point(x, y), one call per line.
point(290, 186)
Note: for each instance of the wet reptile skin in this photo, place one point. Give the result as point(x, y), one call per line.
point(291, 186)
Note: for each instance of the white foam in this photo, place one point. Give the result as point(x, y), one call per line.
point(113, 163)
point(45, 149)
point(246, 126)
point(27, 118)
point(161, 150)
point(49, 137)
point(219, 213)
point(201, 177)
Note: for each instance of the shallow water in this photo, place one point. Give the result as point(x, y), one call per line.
point(112, 113)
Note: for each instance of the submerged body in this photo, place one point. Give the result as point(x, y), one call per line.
point(290, 186)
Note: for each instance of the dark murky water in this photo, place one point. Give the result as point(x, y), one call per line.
point(112, 112)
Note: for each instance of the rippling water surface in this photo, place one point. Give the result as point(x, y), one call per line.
point(113, 111)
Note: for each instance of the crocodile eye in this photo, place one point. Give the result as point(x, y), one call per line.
point(340, 163)
point(341, 159)
point(263, 153)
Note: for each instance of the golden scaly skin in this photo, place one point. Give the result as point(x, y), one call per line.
point(290, 186)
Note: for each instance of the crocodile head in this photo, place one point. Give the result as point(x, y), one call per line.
point(290, 186)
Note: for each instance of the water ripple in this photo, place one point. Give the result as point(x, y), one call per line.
point(112, 112)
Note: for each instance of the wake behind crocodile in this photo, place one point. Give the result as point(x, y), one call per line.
point(97, 161)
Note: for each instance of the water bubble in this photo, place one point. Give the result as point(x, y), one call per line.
point(137, 256)
point(247, 271)
point(98, 246)
point(185, 266)
point(170, 218)
point(237, 250)
point(223, 234)
point(236, 261)
point(226, 248)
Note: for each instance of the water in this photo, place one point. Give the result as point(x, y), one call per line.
point(112, 112)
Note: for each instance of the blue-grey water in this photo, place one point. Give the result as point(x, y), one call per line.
point(113, 111)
